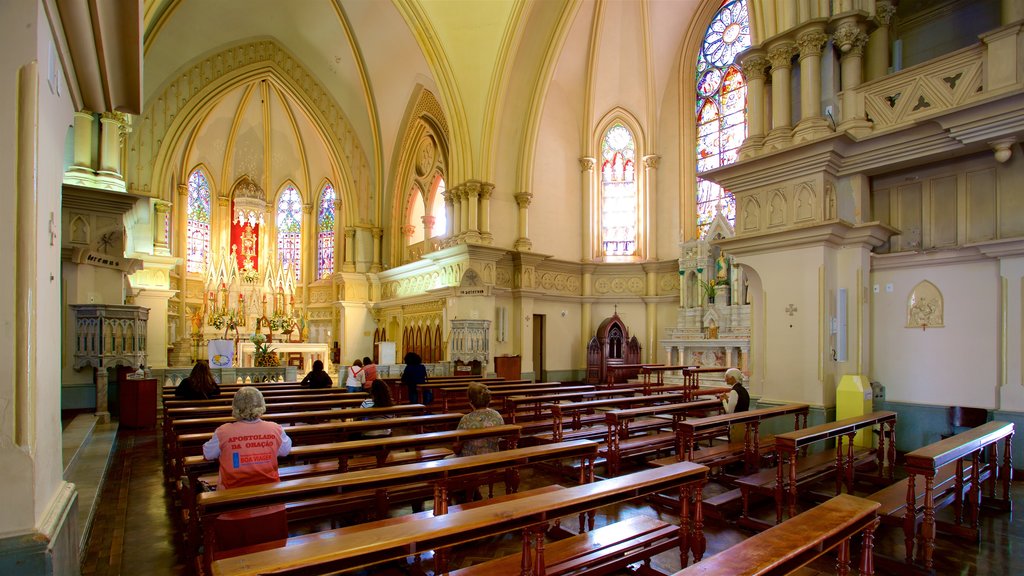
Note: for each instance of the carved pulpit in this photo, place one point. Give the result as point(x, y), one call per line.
point(612, 346)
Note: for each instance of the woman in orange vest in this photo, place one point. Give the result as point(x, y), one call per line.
point(248, 448)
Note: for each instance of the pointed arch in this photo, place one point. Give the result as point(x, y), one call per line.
point(326, 216)
point(198, 205)
point(621, 195)
point(288, 223)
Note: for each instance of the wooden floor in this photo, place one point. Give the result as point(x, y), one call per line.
point(132, 532)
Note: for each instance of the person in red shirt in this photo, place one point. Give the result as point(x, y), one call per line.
point(248, 448)
point(370, 371)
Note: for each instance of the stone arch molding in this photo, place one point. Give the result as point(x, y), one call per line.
point(169, 115)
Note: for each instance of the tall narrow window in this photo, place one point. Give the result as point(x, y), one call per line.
point(437, 209)
point(618, 192)
point(289, 229)
point(325, 233)
point(197, 245)
point(721, 107)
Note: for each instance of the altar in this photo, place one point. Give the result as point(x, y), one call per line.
point(310, 351)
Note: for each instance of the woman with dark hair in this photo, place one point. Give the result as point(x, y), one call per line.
point(370, 370)
point(355, 380)
point(380, 397)
point(415, 373)
point(318, 378)
point(199, 385)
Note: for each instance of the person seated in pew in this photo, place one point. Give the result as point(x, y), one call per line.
point(736, 400)
point(356, 378)
point(370, 371)
point(199, 385)
point(480, 417)
point(380, 397)
point(248, 448)
point(317, 378)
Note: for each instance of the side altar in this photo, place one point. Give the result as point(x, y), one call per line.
point(713, 321)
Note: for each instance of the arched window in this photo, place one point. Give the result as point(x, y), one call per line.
point(618, 192)
point(197, 245)
point(721, 106)
point(325, 233)
point(289, 229)
point(437, 210)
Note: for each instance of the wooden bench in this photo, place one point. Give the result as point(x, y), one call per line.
point(690, 374)
point(529, 410)
point(691, 431)
point(300, 395)
point(790, 472)
point(398, 388)
point(372, 544)
point(784, 548)
point(621, 440)
point(585, 413)
point(455, 393)
point(943, 473)
point(376, 489)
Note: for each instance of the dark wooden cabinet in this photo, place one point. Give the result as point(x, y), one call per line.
point(508, 367)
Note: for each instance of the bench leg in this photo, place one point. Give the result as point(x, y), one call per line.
point(843, 562)
point(910, 519)
point(867, 549)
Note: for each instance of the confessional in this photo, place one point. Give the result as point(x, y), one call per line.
point(609, 349)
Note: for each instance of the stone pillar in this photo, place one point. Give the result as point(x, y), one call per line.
point(472, 199)
point(651, 309)
point(780, 55)
point(309, 255)
point(181, 235)
point(428, 227)
point(338, 232)
point(449, 211)
point(754, 64)
point(220, 221)
point(378, 237)
point(486, 190)
point(589, 217)
point(850, 40)
point(586, 313)
point(82, 160)
point(812, 125)
point(878, 41)
point(350, 250)
point(111, 126)
point(161, 241)
point(650, 235)
point(523, 243)
point(462, 206)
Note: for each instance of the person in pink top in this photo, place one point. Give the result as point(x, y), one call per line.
point(370, 372)
point(248, 448)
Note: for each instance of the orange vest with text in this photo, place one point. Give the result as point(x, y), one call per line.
point(248, 453)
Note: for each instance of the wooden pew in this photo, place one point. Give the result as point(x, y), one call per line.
point(376, 489)
point(796, 542)
point(790, 472)
point(944, 473)
point(528, 411)
point(691, 376)
point(372, 543)
point(691, 431)
point(352, 401)
point(581, 413)
point(301, 395)
point(398, 389)
point(454, 393)
point(621, 443)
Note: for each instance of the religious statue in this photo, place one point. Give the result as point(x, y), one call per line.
point(722, 268)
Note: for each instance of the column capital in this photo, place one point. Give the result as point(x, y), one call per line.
point(377, 233)
point(350, 233)
point(754, 65)
point(486, 189)
point(223, 200)
point(428, 221)
point(850, 38)
point(161, 206)
point(781, 55)
point(884, 11)
point(523, 199)
point(337, 205)
point(473, 188)
point(182, 190)
point(811, 43)
point(587, 163)
point(651, 161)
point(408, 230)
point(307, 208)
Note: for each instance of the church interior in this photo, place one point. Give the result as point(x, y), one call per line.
point(596, 195)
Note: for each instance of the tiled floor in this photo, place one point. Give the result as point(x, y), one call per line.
point(132, 533)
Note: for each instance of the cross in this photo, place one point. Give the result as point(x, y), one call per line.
point(790, 309)
point(53, 230)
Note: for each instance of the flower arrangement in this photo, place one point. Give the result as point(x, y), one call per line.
point(249, 274)
point(264, 356)
point(224, 320)
point(279, 322)
point(709, 288)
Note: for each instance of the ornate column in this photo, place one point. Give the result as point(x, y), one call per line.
point(523, 243)
point(851, 39)
point(486, 189)
point(378, 237)
point(428, 227)
point(651, 232)
point(310, 255)
point(111, 126)
point(350, 251)
point(878, 41)
point(338, 232)
point(462, 205)
point(586, 312)
point(780, 55)
point(220, 218)
point(182, 242)
point(754, 64)
point(82, 158)
point(473, 198)
point(449, 211)
point(589, 218)
point(812, 124)
point(161, 213)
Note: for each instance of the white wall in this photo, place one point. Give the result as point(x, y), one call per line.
point(951, 366)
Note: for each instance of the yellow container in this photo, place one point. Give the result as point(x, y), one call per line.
point(853, 398)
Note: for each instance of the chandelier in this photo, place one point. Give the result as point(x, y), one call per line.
point(250, 202)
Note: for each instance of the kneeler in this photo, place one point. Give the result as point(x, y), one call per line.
point(250, 527)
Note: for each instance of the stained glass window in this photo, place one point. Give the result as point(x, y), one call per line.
point(721, 107)
point(325, 233)
point(618, 192)
point(289, 229)
point(197, 245)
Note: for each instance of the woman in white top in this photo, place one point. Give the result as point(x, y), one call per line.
point(356, 378)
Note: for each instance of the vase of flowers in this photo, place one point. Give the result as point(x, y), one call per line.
point(264, 356)
point(709, 289)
